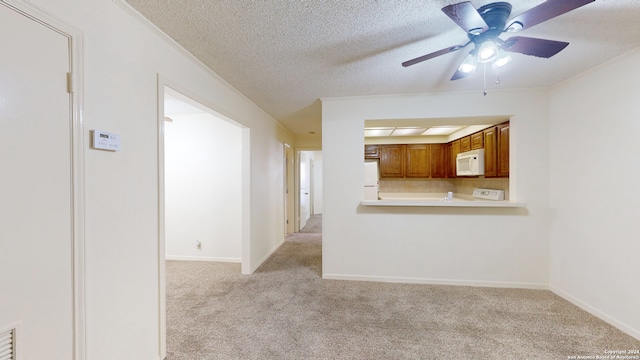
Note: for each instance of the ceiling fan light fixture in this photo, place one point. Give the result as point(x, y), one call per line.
point(514, 27)
point(502, 59)
point(487, 52)
point(469, 64)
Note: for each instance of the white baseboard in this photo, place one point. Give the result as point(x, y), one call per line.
point(202, 258)
point(255, 267)
point(406, 280)
point(597, 313)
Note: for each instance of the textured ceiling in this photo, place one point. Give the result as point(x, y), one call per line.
point(287, 54)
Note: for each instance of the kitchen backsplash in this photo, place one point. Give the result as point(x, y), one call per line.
point(463, 186)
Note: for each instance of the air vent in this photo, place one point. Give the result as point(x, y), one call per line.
point(8, 345)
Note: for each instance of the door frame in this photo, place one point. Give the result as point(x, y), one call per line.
point(76, 92)
point(289, 189)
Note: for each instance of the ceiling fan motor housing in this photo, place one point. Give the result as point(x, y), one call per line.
point(496, 16)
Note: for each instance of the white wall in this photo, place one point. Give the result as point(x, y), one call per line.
point(595, 233)
point(122, 59)
point(497, 247)
point(202, 188)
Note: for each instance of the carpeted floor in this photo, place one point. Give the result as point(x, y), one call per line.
point(286, 311)
point(314, 224)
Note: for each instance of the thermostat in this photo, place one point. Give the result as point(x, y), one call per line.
point(106, 141)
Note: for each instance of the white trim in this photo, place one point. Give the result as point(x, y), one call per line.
point(77, 165)
point(245, 191)
point(408, 280)
point(597, 313)
point(202, 258)
point(162, 272)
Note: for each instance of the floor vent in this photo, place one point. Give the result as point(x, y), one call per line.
point(8, 345)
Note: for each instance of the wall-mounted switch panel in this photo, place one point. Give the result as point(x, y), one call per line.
point(105, 141)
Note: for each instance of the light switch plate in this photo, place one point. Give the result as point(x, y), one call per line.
point(106, 141)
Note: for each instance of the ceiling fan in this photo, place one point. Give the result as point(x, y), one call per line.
point(485, 25)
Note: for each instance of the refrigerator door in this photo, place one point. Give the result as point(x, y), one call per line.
point(370, 173)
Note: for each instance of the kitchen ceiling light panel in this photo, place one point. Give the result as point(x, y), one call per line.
point(442, 130)
point(371, 132)
point(408, 131)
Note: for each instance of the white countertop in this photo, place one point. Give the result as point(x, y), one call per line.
point(436, 200)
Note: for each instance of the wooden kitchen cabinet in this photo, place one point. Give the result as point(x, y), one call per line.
point(477, 140)
point(439, 160)
point(418, 160)
point(465, 144)
point(496, 151)
point(392, 160)
point(490, 152)
point(371, 152)
point(503, 150)
point(454, 150)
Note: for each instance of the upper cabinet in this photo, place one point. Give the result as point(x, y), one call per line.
point(496, 151)
point(477, 141)
point(465, 144)
point(392, 160)
point(414, 160)
point(454, 150)
point(490, 151)
point(371, 152)
point(439, 160)
point(418, 160)
point(502, 151)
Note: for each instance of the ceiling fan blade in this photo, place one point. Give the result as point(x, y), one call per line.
point(532, 46)
point(466, 16)
point(433, 54)
point(543, 12)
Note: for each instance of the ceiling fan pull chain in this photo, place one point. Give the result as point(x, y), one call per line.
point(484, 78)
point(497, 76)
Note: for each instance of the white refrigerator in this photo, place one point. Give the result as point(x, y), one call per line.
point(371, 182)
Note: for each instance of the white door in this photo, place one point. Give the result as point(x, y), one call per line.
point(305, 188)
point(35, 187)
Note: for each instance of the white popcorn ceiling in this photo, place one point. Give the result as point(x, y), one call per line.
point(287, 54)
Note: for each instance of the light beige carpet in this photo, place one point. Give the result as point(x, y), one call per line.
point(286, 311)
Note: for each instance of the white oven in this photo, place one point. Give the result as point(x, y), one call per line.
point(470, 163)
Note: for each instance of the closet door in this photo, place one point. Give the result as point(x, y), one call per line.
point(36, 247)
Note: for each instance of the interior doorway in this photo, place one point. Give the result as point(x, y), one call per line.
point(191, 148)
point(203, 182)
point(309, 187)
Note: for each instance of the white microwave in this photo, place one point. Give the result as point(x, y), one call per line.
point(470, 163)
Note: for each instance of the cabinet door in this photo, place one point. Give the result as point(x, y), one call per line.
point(439, 160)
point(455, 150)
point(477, 141)
point(503, 150)
point(490, 152)
point(392, 160)
point(371, 152)
point(418, 160)
point(465, 143)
